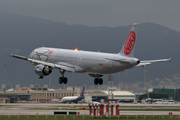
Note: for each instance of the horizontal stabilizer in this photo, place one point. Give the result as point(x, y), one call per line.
point(148, 62)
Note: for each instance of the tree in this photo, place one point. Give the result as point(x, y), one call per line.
point(155, 96)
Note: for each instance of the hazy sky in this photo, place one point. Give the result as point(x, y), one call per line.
point(99, 12)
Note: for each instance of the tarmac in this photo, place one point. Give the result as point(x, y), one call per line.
point(49, 109)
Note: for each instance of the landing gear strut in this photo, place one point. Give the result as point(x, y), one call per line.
point(98, 81)
point(62, 79)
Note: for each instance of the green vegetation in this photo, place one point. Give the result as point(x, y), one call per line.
point(77, 117)
point(155, 96)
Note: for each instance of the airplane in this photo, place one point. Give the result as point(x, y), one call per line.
point(93, 102)
point(95, 64)
point(74, 99)
point(54, 101)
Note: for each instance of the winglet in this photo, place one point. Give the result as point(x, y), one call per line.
point(11, 54)
point(170, 59)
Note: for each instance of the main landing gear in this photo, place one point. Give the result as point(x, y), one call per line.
point(98, 81)
point(62, 79)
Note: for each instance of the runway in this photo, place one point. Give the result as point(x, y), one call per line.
point(38, 112)
point(46, 109)
point(82, 112)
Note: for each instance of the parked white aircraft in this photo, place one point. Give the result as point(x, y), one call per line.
point(74, 99)
point(96, 64)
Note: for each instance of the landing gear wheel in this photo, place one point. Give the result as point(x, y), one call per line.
point(60, 80)
point(65, 80)
point(100, 81)
point(96, 81)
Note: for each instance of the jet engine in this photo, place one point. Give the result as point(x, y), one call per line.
point(95, 75)
point(41, 70)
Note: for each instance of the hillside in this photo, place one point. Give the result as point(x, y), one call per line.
point(21, 34)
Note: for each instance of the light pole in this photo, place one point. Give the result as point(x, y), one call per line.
point(148, 82)
point(145, 81)
point(50, 81)
point(5, 78)
point(73, 85)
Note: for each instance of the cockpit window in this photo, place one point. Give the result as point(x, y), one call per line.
point(31, 55)
point(40, 54)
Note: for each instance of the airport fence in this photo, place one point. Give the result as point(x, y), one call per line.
point(77, 117)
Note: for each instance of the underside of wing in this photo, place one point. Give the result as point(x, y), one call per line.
point(68, 68)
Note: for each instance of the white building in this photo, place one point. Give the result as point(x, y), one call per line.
point(118, 96)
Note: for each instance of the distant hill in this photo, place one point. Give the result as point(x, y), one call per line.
point(21, 34)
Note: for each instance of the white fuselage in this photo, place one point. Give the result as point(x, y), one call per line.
point(69, 98)
point(85, 61)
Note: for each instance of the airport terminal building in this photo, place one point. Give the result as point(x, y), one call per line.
point(40, 95)
point(46, 95)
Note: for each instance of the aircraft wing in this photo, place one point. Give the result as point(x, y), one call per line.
point(148, 62)
point(19, 57)
point(69, 68)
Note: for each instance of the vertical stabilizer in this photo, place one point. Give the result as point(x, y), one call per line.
point(82, 93)
point(129, 45)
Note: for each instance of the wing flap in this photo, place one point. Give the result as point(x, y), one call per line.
point(42, 62)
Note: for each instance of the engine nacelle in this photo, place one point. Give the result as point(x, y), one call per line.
point(41, 70)
point(95, 75)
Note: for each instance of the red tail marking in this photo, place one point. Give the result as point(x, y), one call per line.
point(130, 42)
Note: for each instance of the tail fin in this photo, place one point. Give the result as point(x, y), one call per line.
point(82, 93)
point(129, 45)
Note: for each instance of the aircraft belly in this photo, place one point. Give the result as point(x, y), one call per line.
point(116, 67)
